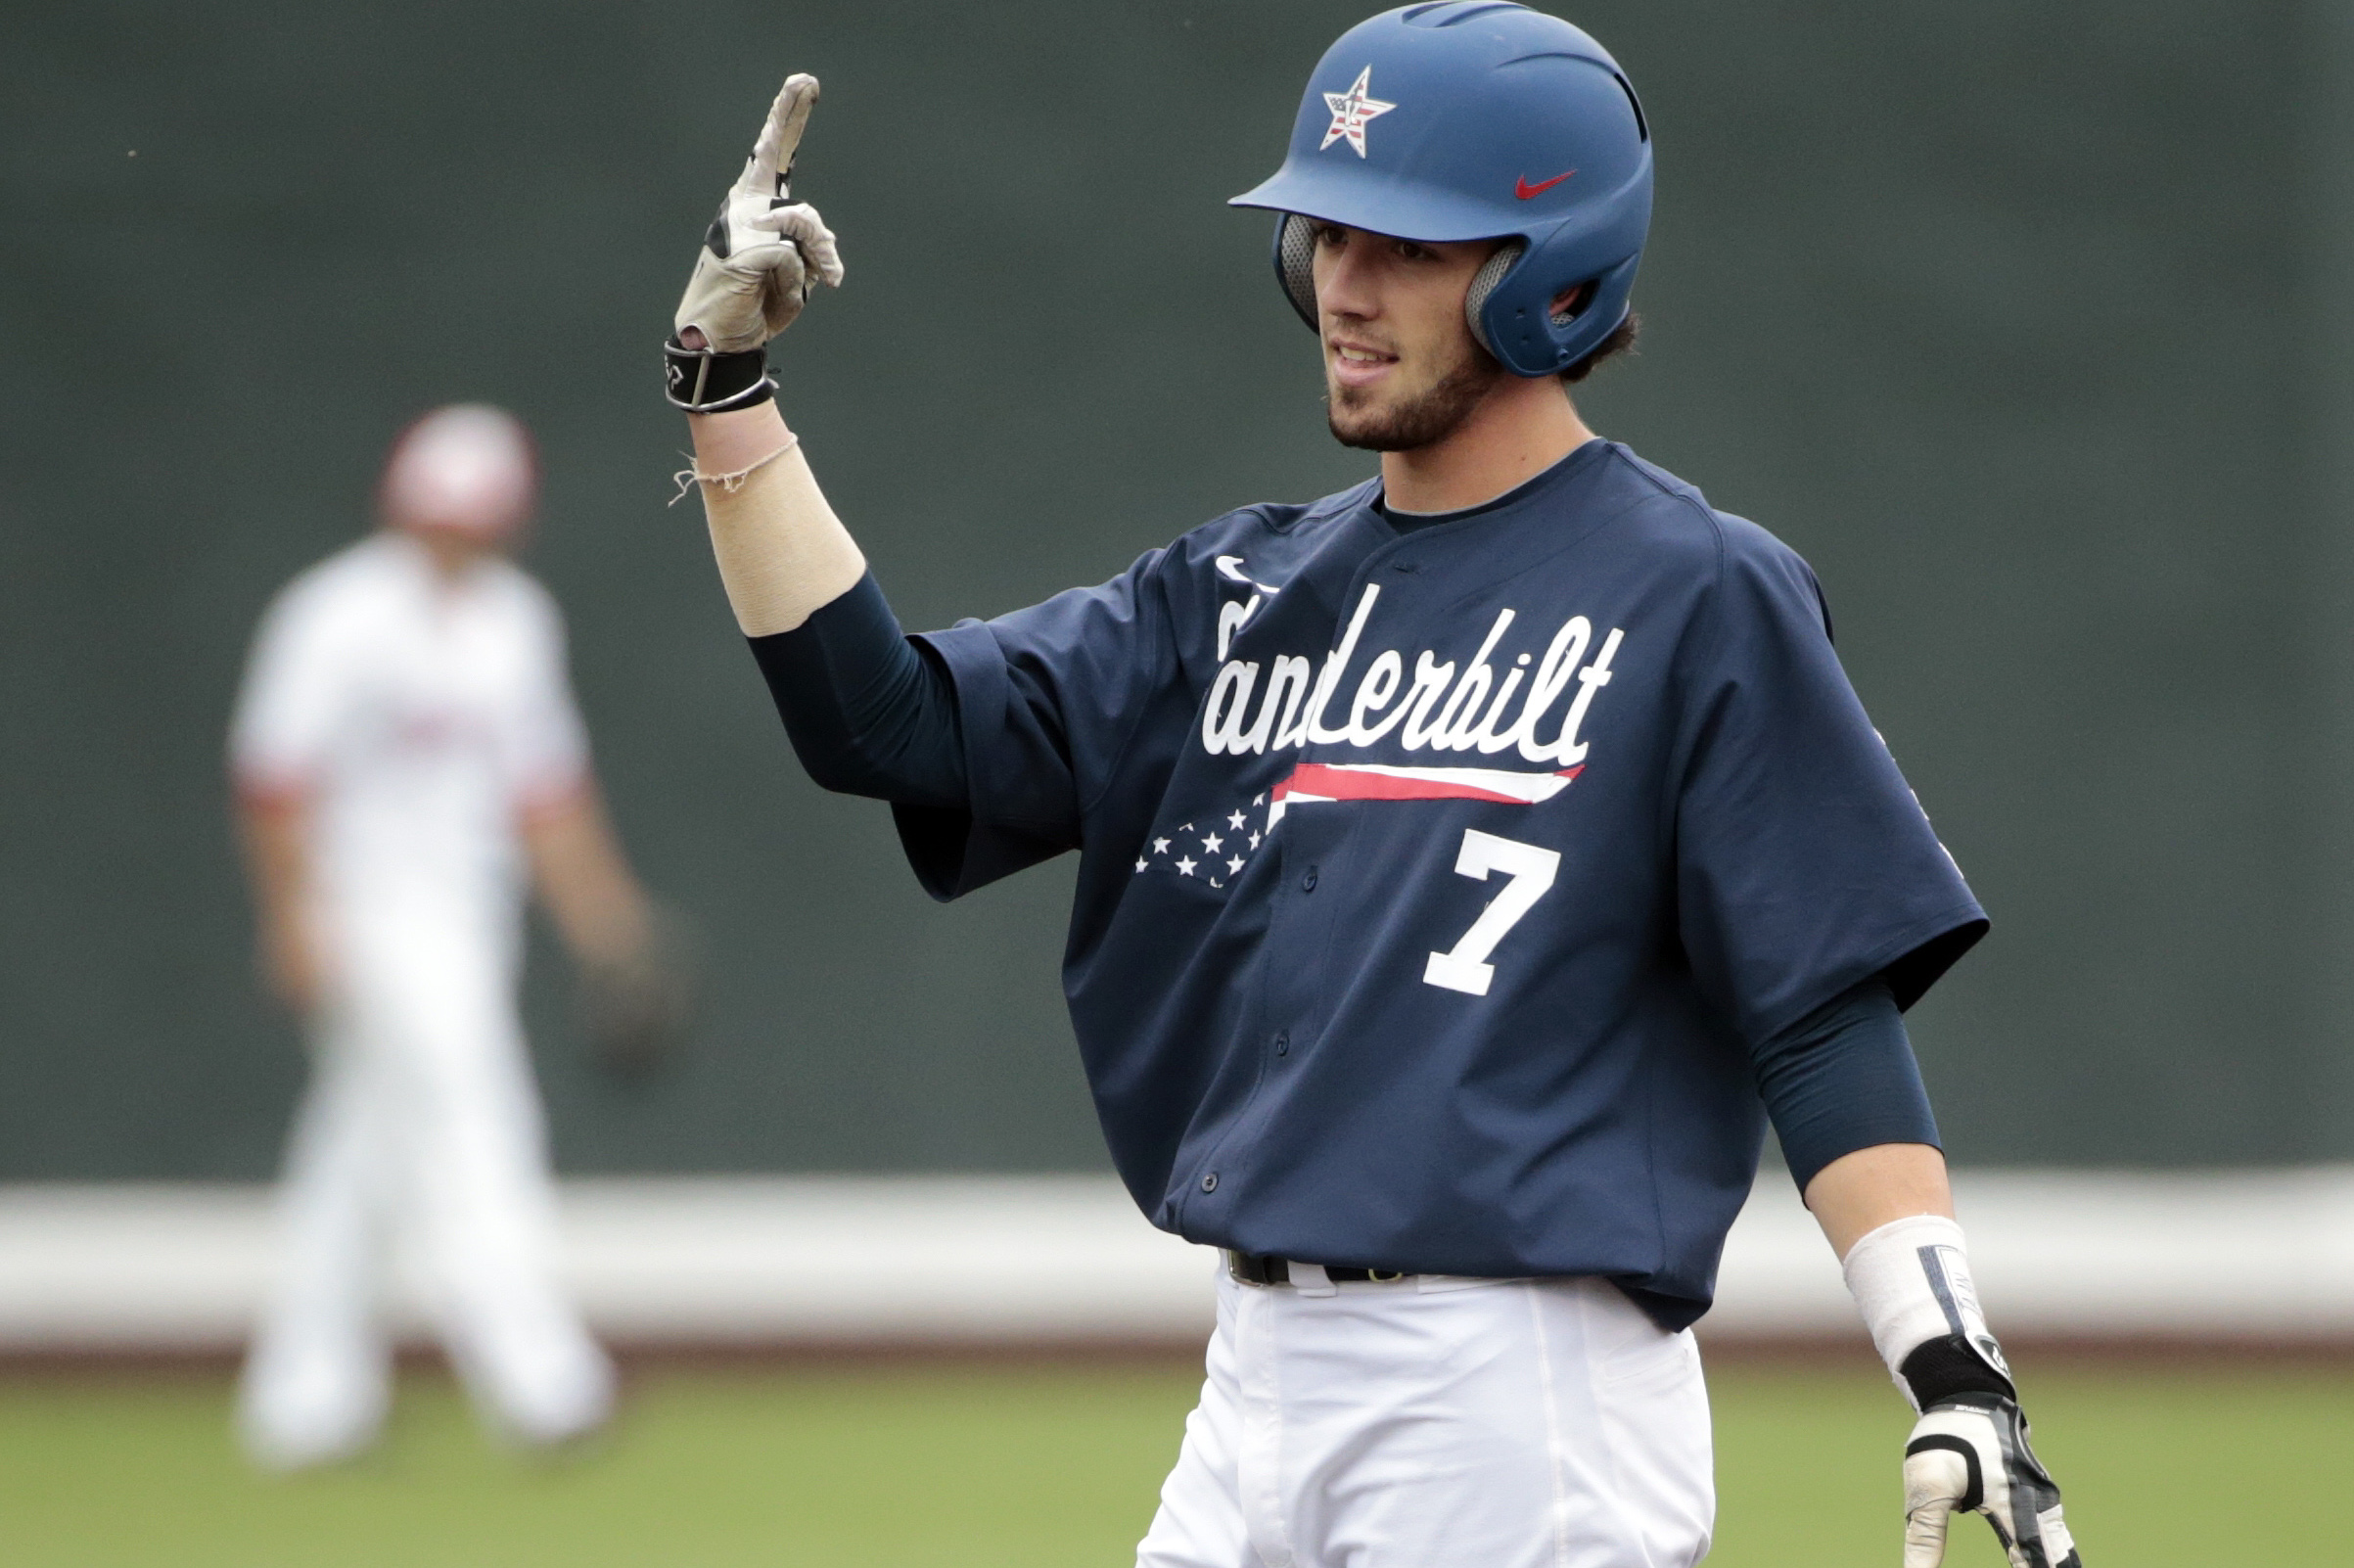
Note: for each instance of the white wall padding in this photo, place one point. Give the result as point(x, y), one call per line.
point(2231, 1256)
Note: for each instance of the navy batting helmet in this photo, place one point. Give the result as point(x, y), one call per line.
point(1477, 119)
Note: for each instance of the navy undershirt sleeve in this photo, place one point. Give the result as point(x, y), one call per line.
point(869, 712)
point(1842, 1078)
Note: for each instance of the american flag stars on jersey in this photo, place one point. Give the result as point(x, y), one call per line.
point(1218, 852)
point(1214, 849)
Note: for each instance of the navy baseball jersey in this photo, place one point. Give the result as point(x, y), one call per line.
point(1436, 884)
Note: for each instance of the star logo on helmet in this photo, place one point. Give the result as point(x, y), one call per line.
point(1350, 111)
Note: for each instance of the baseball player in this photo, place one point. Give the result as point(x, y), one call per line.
point(1471, 862)
point(404, 751)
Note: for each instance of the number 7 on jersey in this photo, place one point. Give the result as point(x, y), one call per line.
point(1531, 869)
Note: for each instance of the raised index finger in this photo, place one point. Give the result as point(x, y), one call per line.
point(779, 137)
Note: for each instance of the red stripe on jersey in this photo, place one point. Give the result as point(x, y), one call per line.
point(1327, 782)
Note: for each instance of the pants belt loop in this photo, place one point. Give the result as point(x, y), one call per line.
point(1310, 1280)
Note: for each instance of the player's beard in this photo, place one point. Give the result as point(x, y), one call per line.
point(1430, 415)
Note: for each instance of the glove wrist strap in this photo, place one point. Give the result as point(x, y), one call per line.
point(1911, 1279)
point(705, 381)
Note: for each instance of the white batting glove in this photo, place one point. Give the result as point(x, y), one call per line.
point(1969, 1453)
point(1912, 1280)
point(761, 258)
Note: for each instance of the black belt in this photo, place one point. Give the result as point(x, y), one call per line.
point(1254, 1270)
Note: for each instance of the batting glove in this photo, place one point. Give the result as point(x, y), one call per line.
point(1971, 1453)
point(760, 258)
point(1912, 1280)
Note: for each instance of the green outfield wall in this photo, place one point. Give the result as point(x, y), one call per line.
point(2026, 323)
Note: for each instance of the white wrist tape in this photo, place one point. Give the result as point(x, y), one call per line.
point(1912, 1280)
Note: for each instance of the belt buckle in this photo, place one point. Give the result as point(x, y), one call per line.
point(1381, 1277)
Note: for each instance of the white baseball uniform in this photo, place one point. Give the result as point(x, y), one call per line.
point(419, 719)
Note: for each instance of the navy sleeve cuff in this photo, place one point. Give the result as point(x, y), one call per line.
point(1844, 1079)
point(867, 713)
point(985, 837)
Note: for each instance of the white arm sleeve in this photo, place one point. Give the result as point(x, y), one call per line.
point(292, 700)
point(543, 745)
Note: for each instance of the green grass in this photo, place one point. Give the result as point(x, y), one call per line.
point(2209, 1468)
point(1044, 1468)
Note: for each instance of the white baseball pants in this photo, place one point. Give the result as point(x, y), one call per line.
point(421, 1129)
point(1440, 1424)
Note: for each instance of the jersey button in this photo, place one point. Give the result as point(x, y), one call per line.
point(1210, 1183)
point(1283, 1043)
point(1308, 881)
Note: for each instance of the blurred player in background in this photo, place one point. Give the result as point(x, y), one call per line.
point(407, 753)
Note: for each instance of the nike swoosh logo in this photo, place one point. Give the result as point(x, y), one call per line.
point(1229, 567)
point(1524, 190)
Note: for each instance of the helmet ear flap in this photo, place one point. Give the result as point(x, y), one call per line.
point(1483, 283)
point(1295, 265)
